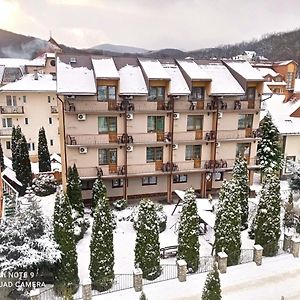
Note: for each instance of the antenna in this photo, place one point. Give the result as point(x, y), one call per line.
point(50, 33)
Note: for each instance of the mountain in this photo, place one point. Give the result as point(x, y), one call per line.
point(119, 48)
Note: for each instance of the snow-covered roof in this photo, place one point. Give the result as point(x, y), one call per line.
point(267, 71)
point(74, 81)
point(105, 68)
point(193, 70)
point(9, 173)
point(284, 62)
point(7, 162)
point(223, 83)
point(153, 69)
point(38, 61)
point(2, 68)
point(13, 62)
point(132, 81)
point(266, 89)
point(28, 83)
point(245, 70)
point(281, 111)
point(296, 87)
point(208, 217)
point(55, 157)
point(50, 54)
point(271, 83)
point(178, 85)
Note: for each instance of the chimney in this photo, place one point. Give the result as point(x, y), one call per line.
point(36, 75)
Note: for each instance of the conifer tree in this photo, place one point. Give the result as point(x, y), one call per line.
point(212, 287)
point(15, 137)
point(101, 246)
point(269, 151)
point(66, 271)
point(228, 222)
point(143, 296)
point(188, 234)
point(240, 173)
point(289, 213)
point(294, 181)
point(147, 254)
point(43, 152)
point(1, 159)
point(267, 219)
point(22, 163)
point(99, 192)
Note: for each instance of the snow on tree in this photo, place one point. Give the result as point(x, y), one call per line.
point(98, 192)
point(1, 159)
point(240, 173)
point(212, 286)
point(15, 137)
point(294, 181)
point(22, 163)
point(27, 241)
point(43, 152)
point(289, 214)
point(228, 222)
point(188, 234)
point(147, 249)
point(267, 220)
point(66, 271)
point(44, 184)
point(269, 151)
point(75, 198)
point(101, 246)
point(143, 296)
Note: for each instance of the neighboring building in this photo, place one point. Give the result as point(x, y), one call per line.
point(151, 126)
point(31, 103)
point(286, 117)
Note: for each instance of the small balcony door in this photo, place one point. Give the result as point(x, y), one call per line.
point(108, 125)
point(244, 149)
point(112, 157)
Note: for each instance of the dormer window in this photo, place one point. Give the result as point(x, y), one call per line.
point(106, 92)
point(73, 60)
point(156, 93)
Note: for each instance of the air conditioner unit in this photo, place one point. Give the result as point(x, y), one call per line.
point(129, 116)
point(129, 148)
point(83, 150)
point(175, 146)
point(220, 115)
point(218, 144)
point(176, 116)
point(81, 117)
point(70, 97)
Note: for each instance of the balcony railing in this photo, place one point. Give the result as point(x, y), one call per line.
point(238, 134)
point(12, 110)
point(54, 109)
point(193, 136)
point(225, 163)
point(6, 132)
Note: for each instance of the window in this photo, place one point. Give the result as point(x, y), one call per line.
point(87, 184)
point(197, 93)
point(192, 152)
point(180, 178)
point(26, 121)
point(154, 154)
point(106, 92)
point(289, 79)
point(194, 123)
point(51, 143)
point(24, 99)
point(250, 93)
point(289, 159)
point(7, 122)
point(11, 100)
point(278, 79)
point(117, 183)
point(49, 99)
point(107, 124)
point(156, 93)
point(107, 156)
point(50, 121)
point(155, 124)
point(243, 149)
point(151, 180)
point(218, 176)
point(8, 145)
point(30, 146)
point(245, 121)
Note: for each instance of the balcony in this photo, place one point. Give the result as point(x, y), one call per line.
point(241, 134)
point(12, 110)
point(194, 105)
point(151, 138)
point(54, 110)
point(6, 132)
point(226, 163)
point(239, 105)
point(111, 171)
point(192, 137)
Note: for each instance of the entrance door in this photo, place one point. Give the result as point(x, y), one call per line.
point(112, 156)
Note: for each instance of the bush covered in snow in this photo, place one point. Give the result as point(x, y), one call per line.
point(120, 204)
point(44, 185)
point(160, 213)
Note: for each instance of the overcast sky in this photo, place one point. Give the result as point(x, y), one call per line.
point(150, 24)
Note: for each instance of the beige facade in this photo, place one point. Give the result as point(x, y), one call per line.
point(154, 145)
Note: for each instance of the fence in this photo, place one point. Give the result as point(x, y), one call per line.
point(50, 294)
point(167, 272)
point(206, 264)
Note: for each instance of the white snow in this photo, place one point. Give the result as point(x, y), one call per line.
point(13, 62)
point(55, 158)
point(7, 162)
point(297, 85)
point(132, 81)
point(193, 70)
point(28, 83)
point(38, 61)
point(55, 166)
point(202, 203)
point(11, 175)
point(208, 217)
point(74, 81)
point(267, 71)
point(153, 69)
point(245, 70)
point(105, 68)
point(178, 85)
point(222, 81)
